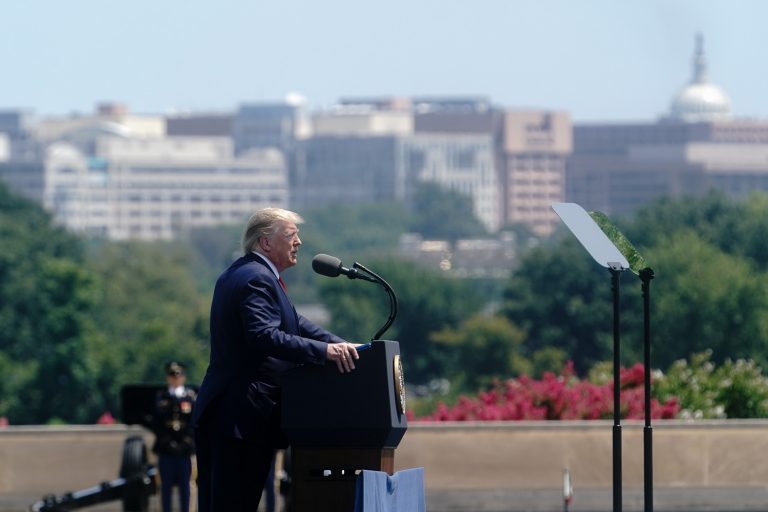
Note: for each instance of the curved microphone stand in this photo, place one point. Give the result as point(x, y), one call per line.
point(392, 299)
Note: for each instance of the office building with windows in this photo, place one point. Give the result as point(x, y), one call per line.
point(696, 147)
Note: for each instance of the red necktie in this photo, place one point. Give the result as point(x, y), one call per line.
point(282, 283)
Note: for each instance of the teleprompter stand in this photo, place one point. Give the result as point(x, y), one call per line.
point(341, 423)
point(604, 252)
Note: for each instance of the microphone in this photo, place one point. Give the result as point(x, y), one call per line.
point(331, 266)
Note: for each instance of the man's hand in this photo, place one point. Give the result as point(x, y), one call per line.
point(344, 354)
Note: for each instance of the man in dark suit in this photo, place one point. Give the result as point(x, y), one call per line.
point(256, 335)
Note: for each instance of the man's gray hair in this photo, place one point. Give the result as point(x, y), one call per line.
point(264, 223)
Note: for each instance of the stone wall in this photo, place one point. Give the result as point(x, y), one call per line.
point(707, 465)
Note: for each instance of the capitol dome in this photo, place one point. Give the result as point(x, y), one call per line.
point(700, 100)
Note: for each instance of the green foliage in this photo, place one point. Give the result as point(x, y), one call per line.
point(736, 389)
point(484, 348)
point(625, 247)
point(735, 227)
point(427, 302)
point(561, 299)
point(548, 359)
point(46, 297)
point(74, 327)
point(709, 291)
point(349, 232)
point(150, 311)
point(209, 251)
point(443, 214)
point(77, 320)
point(18, 375)
point(706, 299)
point(355, 229)
point(601, 373)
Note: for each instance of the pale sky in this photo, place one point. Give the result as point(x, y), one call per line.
point(601, 60)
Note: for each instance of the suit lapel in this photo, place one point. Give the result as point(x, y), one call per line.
point(260, 259)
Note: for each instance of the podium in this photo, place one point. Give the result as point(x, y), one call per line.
point(339, 424)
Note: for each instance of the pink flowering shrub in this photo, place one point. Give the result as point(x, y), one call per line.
point(555, 397)
point(106, 418)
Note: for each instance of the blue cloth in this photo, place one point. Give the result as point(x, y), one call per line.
point(376, 491)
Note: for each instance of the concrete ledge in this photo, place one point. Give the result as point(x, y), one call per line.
point(533, 455)
point(599, 500)
point(511, 466)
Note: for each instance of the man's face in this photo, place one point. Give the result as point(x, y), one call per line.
point(282, 248)
point(175, 379)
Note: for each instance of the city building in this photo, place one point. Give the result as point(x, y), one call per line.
point(475, 258)
point(532, 153)
point(696, 147)
point(510, 163)
point(530, 150)
point(367, 151)
point(97, 177)
point(200, 125)
point(270, 125)
point(153, 189)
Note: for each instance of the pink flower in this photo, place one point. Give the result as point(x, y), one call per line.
point(556, 397)
point(106, 419)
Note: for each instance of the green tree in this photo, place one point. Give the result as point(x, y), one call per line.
point(209, 251)
point(444, 214)
point(704, 299)
point(713, 218)
point(364, 229)
point(46, 297)
point(708, 292)
point(484, 349)
point(562, 299)
point(736, 227)
point(350, 232)
point(735, 389)
point(427, 302)
point(150, 310)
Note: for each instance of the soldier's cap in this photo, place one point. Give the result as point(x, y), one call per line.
point(174, 368)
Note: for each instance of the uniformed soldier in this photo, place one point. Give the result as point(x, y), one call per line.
point(174, 436)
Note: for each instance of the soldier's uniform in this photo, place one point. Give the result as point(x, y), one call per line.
point(174, 439)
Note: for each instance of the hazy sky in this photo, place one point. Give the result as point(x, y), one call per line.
point(598, 59)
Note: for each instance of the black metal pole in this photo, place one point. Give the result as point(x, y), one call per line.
point(615, 270)
point(392, 299)
point(646, 275)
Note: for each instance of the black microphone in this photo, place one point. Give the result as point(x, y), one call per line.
point(331, 266)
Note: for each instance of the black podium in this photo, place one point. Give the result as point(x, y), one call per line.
point(341, 423)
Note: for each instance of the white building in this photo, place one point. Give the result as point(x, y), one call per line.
point(363, 152)
point(460, 162)
point(120, 176)
point(696, 147)
point(159, 188)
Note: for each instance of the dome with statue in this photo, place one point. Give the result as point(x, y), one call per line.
point(700, 100)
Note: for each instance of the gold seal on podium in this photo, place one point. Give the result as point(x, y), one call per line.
point(399, 385)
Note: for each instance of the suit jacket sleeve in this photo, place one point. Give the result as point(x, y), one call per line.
point(274, 329)
point(310, 329)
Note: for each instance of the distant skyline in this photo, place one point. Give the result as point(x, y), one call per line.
point(600, 60)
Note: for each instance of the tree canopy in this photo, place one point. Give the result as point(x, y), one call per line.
point(78, 318)
point(76, 324)
point(427, 302)
point(708, 293)
point(443, 214)
point(46, 297)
